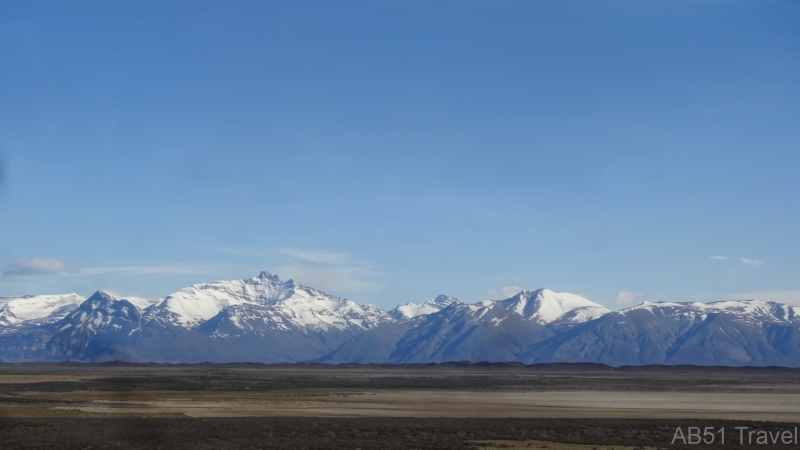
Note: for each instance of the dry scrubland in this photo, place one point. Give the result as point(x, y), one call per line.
point(404, 407)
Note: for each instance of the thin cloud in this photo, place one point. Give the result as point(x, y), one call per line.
point(503, 292)
point(747, 261)
point(242, 251)
point(42, 265)
point(784, 296)
point(177, 269)
point(752, 262)
point(330, 271)
point(315, 256)
point(628, 297)
point(333, 279)
point(296, 254)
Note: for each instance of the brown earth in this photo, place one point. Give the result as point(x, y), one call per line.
point(528, 445)
point(458, 404)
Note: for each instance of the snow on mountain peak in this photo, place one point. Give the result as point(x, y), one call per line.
point(140, 302)
point(545, 306)
point(411, 310)
point(101, 296)
point(197, 303)
point(542, 306)
point(760, 309)
point(747, 310)
point(266, 276)
point(302, 306)
point(35, 308)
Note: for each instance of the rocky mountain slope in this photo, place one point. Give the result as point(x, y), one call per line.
point(748, 332)
point(36, 309)
point(264, 319)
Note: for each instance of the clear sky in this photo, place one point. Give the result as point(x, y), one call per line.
point(390, 151)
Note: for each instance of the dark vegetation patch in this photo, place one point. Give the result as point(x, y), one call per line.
point(456, 376)
point(333, 434)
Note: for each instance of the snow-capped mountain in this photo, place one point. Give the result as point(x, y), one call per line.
point(462, 332)
point(31, 310)
point(100, 314)
point(544, 306)
point(411, 310)
point(747, 332)
point(446, 329)
point(264, 319)
point(140, 302)
point(260, 318)
point(285, 304)
point(748, 310)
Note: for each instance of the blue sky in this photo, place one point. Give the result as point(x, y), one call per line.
point(392, 151)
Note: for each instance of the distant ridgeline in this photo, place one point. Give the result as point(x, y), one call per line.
point(264, 319)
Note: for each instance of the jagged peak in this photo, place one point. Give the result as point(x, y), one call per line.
point(101, 295)
point(411, 310)
point(307, 307)
point(269, 278)
point(542, 294)
point(545, 306)
point(440, 299)
point(535, 291)
point(528, 293)
point(266, 276)
point(763, 310)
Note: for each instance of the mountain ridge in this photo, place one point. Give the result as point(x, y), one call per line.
point(265, 319)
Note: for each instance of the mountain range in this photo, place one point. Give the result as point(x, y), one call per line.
point(264, 319)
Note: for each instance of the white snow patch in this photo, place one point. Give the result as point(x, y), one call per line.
point(302, 306)
point(545, 306)
point(17, 310)
point(411, 310)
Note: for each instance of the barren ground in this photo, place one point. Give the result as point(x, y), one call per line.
point(456, 405)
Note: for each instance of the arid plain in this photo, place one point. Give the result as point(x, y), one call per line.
point(525, 405)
